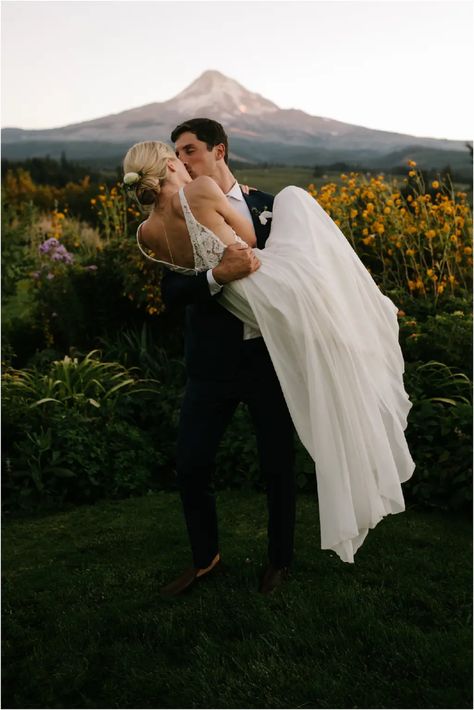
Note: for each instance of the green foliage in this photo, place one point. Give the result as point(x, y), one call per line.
point(102, 292)
point(72, 383)
point(18, 233)
point(439, 435)
point(445, 337)
point(70, 434)
point(46, 171)
point(78, 459)
point(138, 347)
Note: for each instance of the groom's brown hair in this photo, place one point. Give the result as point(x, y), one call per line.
point(205, 129)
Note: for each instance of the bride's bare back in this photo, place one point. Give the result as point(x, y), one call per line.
point(166, 232)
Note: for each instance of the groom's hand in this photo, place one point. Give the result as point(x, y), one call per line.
point(237, 262)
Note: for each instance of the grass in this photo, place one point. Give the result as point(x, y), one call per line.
point(274, 179)
point(84, 625)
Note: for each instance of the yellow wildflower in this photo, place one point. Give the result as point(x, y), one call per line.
point(435, 184)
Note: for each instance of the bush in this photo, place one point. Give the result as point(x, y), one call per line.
point(446, 338)
point(69, 435)
point(413, 237)
point(78, 459)
point(439, 435)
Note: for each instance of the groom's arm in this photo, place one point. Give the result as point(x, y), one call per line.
point(236, 263)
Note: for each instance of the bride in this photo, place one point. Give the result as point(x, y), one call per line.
point(331, 334)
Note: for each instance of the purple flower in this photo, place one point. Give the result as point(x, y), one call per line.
point(49, 244)
point(50, 276)
point(92, 267)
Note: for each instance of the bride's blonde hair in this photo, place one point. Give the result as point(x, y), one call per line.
point(149, 160)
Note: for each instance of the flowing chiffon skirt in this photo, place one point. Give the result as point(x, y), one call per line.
point(333, 340)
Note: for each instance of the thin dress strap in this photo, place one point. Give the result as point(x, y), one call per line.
point(175, 267)
point(191, 221)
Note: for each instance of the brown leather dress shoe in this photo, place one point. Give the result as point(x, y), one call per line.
point(188, 579)
point(272, 578)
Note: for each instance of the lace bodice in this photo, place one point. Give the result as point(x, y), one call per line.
point(207, 247)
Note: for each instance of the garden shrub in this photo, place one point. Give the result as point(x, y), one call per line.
point(69, 434)
point(439, 435)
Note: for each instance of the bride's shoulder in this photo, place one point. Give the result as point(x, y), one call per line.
point(201, 185)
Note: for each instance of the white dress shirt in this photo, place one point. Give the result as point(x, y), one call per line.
point(238, 202)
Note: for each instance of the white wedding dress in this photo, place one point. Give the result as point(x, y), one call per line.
point(333, 340)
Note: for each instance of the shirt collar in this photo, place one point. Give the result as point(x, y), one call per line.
point(235, 192)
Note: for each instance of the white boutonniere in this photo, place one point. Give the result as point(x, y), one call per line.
point(263, 216)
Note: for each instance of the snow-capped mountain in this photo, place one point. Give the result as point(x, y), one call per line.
point(215, 93)
point(259, 131)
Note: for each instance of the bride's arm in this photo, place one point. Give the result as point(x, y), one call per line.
point(211, 191)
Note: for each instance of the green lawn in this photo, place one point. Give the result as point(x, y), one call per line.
point(274, 179)
point(85, 627)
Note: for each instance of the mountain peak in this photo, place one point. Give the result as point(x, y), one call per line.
point(213, 75)
point(214, 93)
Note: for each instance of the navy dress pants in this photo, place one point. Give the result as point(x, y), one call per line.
point(206, 411)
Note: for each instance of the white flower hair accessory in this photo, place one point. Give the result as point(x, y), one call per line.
point(265, 216)
point(131, 178)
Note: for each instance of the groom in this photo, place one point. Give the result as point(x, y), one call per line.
point(227, 363)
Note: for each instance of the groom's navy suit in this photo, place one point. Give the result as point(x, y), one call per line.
point(224, 369)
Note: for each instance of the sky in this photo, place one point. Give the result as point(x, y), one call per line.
point(399, 65)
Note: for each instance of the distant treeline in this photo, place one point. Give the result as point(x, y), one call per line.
point(58, 173)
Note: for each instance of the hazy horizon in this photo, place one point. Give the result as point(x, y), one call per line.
point(394, 66)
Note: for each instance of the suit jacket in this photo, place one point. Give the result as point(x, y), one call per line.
point(213, 336)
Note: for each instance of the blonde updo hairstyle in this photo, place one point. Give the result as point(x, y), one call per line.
point(149, 160)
